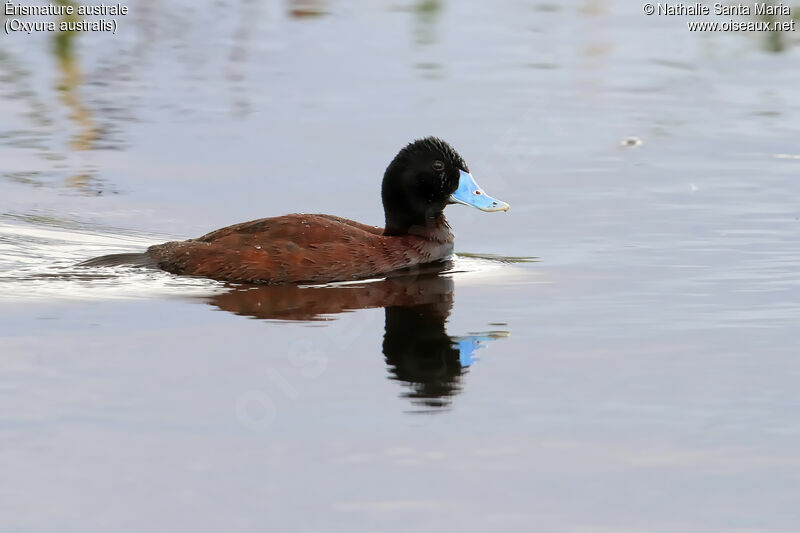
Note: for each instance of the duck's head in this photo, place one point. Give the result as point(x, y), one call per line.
point(422, 179)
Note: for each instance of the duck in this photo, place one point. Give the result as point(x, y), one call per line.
point(424, 178)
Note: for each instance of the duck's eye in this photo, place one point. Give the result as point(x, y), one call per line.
point(438, 166)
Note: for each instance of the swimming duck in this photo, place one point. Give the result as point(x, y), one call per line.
point(422, 179)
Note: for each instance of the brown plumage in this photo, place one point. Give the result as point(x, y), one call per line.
point(302, 248)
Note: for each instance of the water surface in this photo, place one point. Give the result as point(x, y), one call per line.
point(637, 371)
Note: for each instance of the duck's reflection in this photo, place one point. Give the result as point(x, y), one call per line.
point(417, 349)
point(419, 352)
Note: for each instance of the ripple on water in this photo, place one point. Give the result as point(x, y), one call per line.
point(39, 256)
point(38, 261)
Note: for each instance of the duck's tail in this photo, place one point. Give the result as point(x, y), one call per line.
point(136, 260)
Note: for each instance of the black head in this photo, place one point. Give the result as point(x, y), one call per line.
point(418, 183)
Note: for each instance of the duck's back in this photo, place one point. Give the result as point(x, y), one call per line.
point(297, 248)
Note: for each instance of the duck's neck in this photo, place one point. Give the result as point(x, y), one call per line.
point(433, 228)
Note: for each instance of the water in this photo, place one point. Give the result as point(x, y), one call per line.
point(636, 370)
